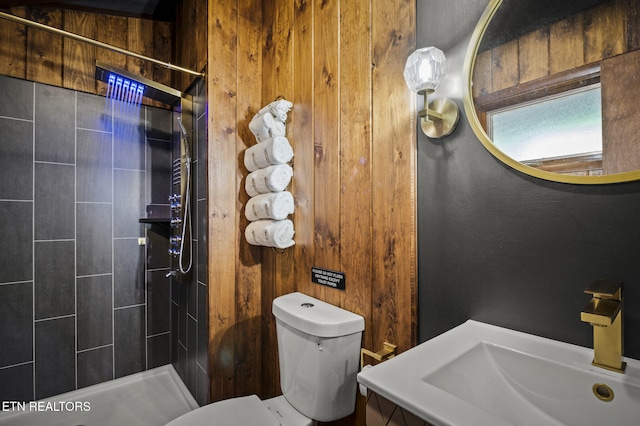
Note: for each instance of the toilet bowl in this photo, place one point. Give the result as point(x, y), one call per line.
point(318, 354)
point(244, 411)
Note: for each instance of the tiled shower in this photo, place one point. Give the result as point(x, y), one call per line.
point(189, 301)
point(84, 296)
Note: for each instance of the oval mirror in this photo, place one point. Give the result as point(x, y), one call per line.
point(552, 87)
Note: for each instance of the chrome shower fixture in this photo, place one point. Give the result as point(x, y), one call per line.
point(125, 85)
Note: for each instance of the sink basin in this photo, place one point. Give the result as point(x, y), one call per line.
point(479, 374)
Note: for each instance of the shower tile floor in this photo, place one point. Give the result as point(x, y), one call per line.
point(153, 397)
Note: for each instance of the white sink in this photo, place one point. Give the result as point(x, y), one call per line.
point(478, 374)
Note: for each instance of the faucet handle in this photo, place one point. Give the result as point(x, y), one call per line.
point(601, 312)
point(605, 290)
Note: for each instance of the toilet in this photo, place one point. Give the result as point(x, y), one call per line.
point(318, 352)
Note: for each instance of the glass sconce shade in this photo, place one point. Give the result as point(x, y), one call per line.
point(425, 69)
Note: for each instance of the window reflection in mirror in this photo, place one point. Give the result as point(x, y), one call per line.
point(560, 133)
point(514, 58)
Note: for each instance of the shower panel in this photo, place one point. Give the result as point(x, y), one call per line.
point(181, 200)
point(130, 88)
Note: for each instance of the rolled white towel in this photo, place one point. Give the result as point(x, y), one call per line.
point(270, 233)
point(278, 109)
point(278, 129)
point(261, 125)
point(281, 105)
point(269, 153)
point(270, 179)
point(272, 205)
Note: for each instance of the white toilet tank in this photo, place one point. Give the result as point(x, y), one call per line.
point(319, 353)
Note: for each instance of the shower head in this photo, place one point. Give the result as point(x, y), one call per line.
point(119, 79)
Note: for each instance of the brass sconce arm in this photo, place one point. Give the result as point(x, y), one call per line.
point(439, 118)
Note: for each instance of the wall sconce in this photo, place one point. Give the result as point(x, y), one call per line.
point(423, 72)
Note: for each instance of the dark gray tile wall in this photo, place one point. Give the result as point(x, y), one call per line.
point(54, 110)
point(16, 161)
point(130, 340)
point(76, 172)
point(129, 273)
point(16, 219)
point(94, 311)
point(55, 356)
point(95, 366)
point(16, 323)
point(54, 193)
point(189, 315)
point(55, 279)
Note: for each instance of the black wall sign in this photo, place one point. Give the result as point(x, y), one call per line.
point(329, 278)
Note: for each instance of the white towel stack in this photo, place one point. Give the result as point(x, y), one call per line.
point(270, 204)
point(269, 153)
point(270, 179)
point(270, 233)
point(270, 121)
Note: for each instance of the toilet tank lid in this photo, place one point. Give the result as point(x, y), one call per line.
point(315, 317)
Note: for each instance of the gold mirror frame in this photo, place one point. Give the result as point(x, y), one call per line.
point(472, 117)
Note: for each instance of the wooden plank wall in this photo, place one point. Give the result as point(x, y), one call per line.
point(353, 132)
point(605, 36)
point(352, 129)
point(36, 55)
point(190, 39)
point(602, 32)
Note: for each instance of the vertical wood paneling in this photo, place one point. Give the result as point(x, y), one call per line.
point(604, 31)
point(37, 55)
point(112, 30)
point(632, 27)
point(140, 40)
point(355, 169)
point(248, 294)
point(79, 58)
point(355, 157)
point(566, 44)
point(186, 39)
point(281, 85)
point(482, 74)
point(504, 61)
point(533, 58)
point(200, 39)
point(162, 41)
point(270, 372)
point(47, 58)
point(302, 135)
point(393, 180)
point(223, 236)
point(327, 142)
point(354, 182)
point(44, 49)
point(620, 117)
point(191, 40)
point(13, 49)
point(277, 77)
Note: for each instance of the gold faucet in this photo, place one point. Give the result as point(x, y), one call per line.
point(604, 313)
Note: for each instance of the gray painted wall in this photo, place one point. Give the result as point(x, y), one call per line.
point(504, 248)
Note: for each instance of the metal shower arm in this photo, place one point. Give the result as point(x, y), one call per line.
point(84, 39)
